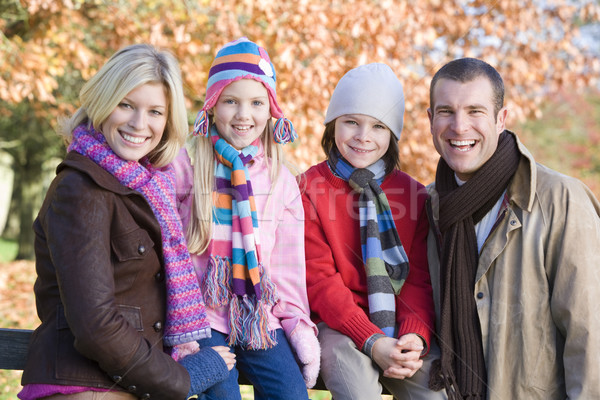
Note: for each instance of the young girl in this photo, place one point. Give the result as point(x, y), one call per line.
point(243, 213)
point(366, 257)
point(115, 283)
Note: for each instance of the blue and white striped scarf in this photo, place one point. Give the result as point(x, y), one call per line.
point(385, 259)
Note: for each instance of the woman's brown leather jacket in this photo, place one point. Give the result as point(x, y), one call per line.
point(100, 291)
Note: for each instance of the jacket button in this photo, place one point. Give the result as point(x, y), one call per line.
point(480, 295)
point(157, 326)
point(117, 378)
point(159, 277)
point(132, 388)
point(513, 222)
point(145, 396)
point(141, 249)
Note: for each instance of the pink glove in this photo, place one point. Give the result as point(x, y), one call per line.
point(185, 349)
point(306, 345)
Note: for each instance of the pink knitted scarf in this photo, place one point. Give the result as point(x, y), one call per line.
point(186, 315)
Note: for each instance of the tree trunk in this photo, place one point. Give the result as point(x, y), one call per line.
point(28, 190)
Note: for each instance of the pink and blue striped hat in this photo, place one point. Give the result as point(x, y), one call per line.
point(243, 59)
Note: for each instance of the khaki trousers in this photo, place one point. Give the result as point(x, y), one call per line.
point(349, 374)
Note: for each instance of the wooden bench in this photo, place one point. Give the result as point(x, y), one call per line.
point(13, 348)
point(13, 352)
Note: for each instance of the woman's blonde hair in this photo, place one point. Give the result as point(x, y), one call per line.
point(199, 230)
point(128, 69)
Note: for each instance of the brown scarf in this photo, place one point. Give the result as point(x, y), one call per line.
point(461, 369)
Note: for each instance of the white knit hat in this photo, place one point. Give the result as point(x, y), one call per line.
point(373, 90)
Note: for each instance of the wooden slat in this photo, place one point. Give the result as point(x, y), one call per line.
point(13, 347)
point(13, 353)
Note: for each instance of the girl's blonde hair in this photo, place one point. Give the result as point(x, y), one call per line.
point(128, 69)
point(199, 230)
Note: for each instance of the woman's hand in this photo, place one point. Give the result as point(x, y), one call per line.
point(227, 355)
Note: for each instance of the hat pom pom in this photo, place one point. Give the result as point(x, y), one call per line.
point(284, 131)
point(201, 124)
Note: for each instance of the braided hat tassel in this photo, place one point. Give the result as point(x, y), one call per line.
point(201, 124)
point(284, 131)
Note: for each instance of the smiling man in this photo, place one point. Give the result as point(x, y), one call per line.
point(513, 254)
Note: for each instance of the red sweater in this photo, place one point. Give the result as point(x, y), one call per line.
point(335, 273)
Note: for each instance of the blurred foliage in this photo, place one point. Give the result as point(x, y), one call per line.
point(567, 137)
point(49, 47)
point(17, 309)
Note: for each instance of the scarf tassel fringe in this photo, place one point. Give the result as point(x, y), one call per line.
point(439, 380)
point(251, 324)
point(216, 282)
point(267, 287)
point(249, 317)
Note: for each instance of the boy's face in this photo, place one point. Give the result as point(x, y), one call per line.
point(362, 140)
point(242, 112)
point(463, 125)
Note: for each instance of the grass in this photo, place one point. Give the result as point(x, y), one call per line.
point(312, 394)
point(10, 384)
point(8, 250)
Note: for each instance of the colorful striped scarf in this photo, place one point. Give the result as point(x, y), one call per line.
point(186, 316)
point(385, 260)
point(235, 276)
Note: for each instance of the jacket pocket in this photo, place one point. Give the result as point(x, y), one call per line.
point(133, 315)
point(132, 245)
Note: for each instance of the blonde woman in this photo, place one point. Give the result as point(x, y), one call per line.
point(109, 243)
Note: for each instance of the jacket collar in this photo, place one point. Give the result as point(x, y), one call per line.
point(101, 177)
point(522, 188)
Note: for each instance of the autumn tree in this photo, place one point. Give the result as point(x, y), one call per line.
point(49, 47)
